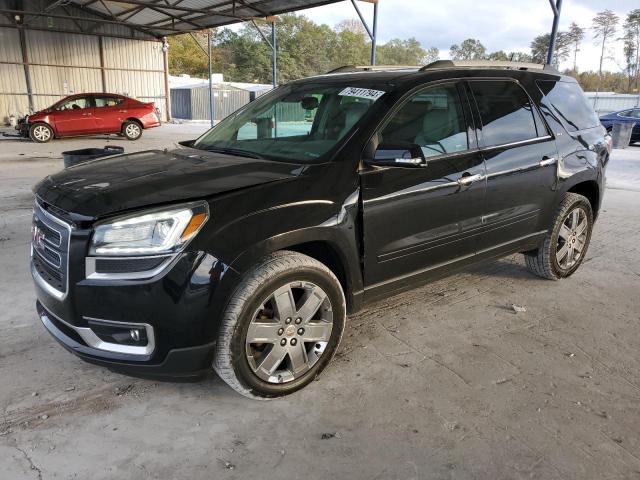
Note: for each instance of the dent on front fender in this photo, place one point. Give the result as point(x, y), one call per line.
point(292, 225)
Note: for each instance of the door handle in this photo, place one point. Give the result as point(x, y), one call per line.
point(122, 111)
point(86, 114)
point(421, 162)
point(466, 180)
point(547, 161)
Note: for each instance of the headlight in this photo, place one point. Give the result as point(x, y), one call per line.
point(154, 233)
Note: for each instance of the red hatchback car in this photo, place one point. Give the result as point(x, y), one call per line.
point(89, 114)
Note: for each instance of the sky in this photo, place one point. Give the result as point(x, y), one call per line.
point(498, 24)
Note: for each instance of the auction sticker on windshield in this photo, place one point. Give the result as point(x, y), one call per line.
point(362, 93)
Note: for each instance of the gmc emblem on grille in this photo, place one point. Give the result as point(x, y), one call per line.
point(37, 238)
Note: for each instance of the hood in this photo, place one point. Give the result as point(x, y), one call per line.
point(611, 116)
point(154, 177)
point(40, 112)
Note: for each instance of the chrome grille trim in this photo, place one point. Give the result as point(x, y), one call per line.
point(54, 247)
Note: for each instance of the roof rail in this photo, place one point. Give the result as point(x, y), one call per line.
point(489, 64)
point(371, 68)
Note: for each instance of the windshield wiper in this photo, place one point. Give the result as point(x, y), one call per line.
point(233, 151)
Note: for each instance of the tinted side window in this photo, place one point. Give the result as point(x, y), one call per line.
point(505, 111)
point(566, 101)
point(432, 118)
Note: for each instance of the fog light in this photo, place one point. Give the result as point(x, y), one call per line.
point(113, 332)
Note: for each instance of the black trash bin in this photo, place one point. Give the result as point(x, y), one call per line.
point(73, 157)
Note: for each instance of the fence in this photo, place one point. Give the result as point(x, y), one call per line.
point(608, 102)
point(193, 103)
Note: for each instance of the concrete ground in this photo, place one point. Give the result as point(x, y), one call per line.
point(444, 382)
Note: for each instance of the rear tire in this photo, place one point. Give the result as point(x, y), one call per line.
point(131, 130)
point(281, 327)
point(40, 132)
point(566, 243)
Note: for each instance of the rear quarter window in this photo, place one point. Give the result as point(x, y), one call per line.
point(505, 111)
point(566, 101)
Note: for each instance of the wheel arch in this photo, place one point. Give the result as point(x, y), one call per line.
point(133, 119)
point(47, 123)
point(591, 191)
point(320, 245)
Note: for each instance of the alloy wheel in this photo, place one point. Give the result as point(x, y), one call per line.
point(572, 238)
point(42, 133)
point(132, 130)
point(289, 332)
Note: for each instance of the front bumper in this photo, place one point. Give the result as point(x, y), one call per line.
point(162, 323)
point(179, 362)
point(23, 128)
point(178, 311)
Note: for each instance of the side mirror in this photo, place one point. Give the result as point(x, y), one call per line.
point(187, 143)
point(395, 155)
point(309, 103)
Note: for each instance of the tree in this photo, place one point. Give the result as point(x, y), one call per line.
point(352, 46)
point(604, 27)
point(431, 55)
point(402, 52)
point(499, 55)
point(562, 48)
point(575, 35)
point(540, 48)
point(520, 57)
point(470, 49)
point(631, 39)
point(186, 57)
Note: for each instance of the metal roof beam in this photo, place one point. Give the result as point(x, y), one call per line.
point(144, 4)
point(101, 20)
point(554, 28)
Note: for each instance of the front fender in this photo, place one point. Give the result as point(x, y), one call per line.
point(333, 228)
point(241, 234)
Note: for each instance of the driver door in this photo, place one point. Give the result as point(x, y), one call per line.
point(75, 117)
point(421, 219)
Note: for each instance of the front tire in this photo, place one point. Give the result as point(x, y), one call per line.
point(40, 132)
point(566, 243)
point(131, 130)
point(281, 327)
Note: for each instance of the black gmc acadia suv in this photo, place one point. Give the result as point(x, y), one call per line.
point(244, 250)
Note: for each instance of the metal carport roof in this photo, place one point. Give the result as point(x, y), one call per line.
point(159, 18)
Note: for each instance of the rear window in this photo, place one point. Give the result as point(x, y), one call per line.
point(566, 101)
point(505, 111)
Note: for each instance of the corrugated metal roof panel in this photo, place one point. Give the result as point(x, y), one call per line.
point(64, 80)
point(141, 85)
point(131, 54)
point(9, 46)
point(160, 18)
point(51, 48)
point(17, 105)
point(12, 79)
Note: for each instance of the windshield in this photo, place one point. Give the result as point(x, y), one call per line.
point(297, 123)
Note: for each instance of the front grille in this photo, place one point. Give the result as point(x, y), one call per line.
point(50, 248)
point(52, 236)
